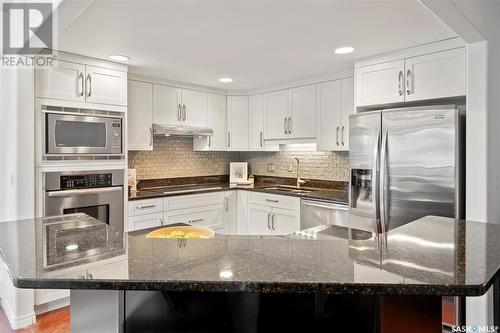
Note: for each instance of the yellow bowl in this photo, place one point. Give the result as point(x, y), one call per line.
point(182, 232)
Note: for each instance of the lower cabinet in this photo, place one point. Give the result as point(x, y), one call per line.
point(145, 221)
point(265, 220)
point(205, 216)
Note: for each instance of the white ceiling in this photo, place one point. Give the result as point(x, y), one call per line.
point(257, 43)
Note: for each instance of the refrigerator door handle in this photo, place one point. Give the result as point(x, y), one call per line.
point(375, 183)
point(383, 183)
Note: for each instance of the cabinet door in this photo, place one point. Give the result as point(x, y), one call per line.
point(166, 105)
point(109, 271)
point(347, 109)
point(381, 83)
point(259, 218)
point(140, 116)
point(145, 221)
point(329, 114)
point(302, 118)
point(230, 218)
point(256, 140)
point(217, 122)
point(105, 86)
point(194, 105)
point(436, 75)
point(237, 123)
point(276, 115)
point(285, 221)
point(65, 80)
point(205, 216)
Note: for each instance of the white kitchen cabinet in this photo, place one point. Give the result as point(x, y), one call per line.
point(194, 108)
point(230, 214)
point(380, 83)
point(82, 83)
point(114, 270)
point(146, 221)
point(329, 115)
point(347, 110)
point(146, 206)
point(436, 75)
point(166, 104)
point(105, 86)
point(217, 122)
point(237, 123)
point(285, 221)
point(256, 140)
point(65, 80)
point(276, 113)
point(302, 115)
point(260, 219)
point(140, 116)
point(204, 216)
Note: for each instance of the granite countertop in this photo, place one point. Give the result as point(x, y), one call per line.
point(331, 195)
point(430, 256)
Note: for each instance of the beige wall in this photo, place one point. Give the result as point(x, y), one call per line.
point(174, 157)
point(314, 165)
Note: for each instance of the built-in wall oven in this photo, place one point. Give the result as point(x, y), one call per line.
point(74, 133)
point(95, 193)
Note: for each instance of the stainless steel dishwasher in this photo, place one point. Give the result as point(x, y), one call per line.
point(318, 212)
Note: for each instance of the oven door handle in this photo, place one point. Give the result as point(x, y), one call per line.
point(72, 193)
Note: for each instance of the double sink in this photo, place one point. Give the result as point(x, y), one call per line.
point(290, 189)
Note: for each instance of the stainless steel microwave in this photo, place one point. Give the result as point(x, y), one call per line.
point(82, 134)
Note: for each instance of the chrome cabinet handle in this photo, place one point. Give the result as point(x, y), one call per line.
point(226, 204)
point(209, 141)
point(269, 221)
point(290, 128)
point(285, 129)
point(161, 221)
point(261, 143)
point(408, 78)
point(88, 82)
point(272, 200)
point(400, 83)
point(342, 136)
point(179, 112)
point(197, 220)
point(82, 84)
point(151, 137)
point(145, 206)
point(229, 139)
point(184, 110)
point(337, 136)
point(272, 221)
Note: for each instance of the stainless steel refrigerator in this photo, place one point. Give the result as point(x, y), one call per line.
point(406, 164)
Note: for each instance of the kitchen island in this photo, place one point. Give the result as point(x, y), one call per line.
point(309, 280)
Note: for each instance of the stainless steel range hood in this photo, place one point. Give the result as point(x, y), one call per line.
point(176, 130)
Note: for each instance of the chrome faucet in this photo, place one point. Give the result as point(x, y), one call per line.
point(299, 180)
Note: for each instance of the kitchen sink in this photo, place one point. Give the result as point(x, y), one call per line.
point(290, 189)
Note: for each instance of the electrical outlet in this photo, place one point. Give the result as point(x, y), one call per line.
point(270, 167)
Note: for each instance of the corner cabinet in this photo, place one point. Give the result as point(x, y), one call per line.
point(80, 82)
point(140, 116)
point(421, 77)
point(256, 140)
point(217, 122)
point(237, 123)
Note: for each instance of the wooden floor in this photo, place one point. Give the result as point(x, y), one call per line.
point(52, 322)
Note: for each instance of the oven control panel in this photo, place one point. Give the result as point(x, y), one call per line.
point(86, 181)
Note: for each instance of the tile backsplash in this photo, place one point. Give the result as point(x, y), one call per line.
point(313, 164)
point(174, 157)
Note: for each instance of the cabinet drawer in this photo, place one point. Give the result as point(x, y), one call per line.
point(142, 207)
point(274, 200)
point(193, 200)
point(207, 216)
point(145, 221)
point(109, 271)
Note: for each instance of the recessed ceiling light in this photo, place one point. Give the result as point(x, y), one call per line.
point(344, 50)
point(119, 57)
point(226, 274)
point(225, 80)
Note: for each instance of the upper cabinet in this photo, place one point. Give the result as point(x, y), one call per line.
point(423, 77)
point(140, 116)
point(79, 82)
point(237, 123)
point(256, 125)
point(217, 122)
point(335, 104)
point(179, 106)
point(290, 114)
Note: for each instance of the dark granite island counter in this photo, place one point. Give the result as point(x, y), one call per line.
point(307, 281)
